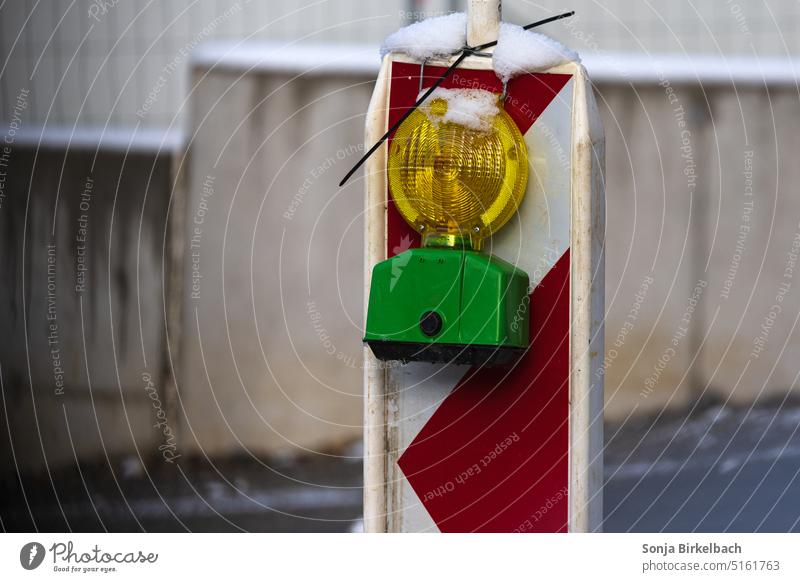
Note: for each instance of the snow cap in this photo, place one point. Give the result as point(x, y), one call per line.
point(472, 108)
point(433, 37)
point(517, 51)
point(522, 51)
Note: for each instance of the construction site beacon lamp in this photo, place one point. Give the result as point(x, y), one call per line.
point(456, 184)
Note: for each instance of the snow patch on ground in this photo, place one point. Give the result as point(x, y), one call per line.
point(472, 108)
point(433, 37)
point(522, 51)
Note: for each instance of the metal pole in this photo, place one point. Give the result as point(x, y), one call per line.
point(483, 21)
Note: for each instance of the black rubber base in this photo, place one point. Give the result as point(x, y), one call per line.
point(476, 355)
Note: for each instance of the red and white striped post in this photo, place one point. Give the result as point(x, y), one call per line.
point(458, 448)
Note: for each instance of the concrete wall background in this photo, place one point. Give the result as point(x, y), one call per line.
point(733, 225)
point(680, 328)
point(272, 328)
point(701, 188)
point(83, 304)
point(265, 349)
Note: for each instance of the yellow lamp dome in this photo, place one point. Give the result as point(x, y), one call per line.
point(457, 182)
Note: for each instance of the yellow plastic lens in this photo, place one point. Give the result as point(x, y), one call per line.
point(453, 182)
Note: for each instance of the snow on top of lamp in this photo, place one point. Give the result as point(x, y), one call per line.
point(518, 50)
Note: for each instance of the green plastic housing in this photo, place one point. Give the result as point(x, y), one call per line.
point(481, 300)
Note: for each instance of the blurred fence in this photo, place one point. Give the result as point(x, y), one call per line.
point(123, 62)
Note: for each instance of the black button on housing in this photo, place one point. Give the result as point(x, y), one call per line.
point(430, 323)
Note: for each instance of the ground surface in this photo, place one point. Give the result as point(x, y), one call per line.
point(716, 470)
point(719, 470)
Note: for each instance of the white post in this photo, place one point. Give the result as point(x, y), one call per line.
point(430, 428)
point(483, 21)
point(375, 454)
